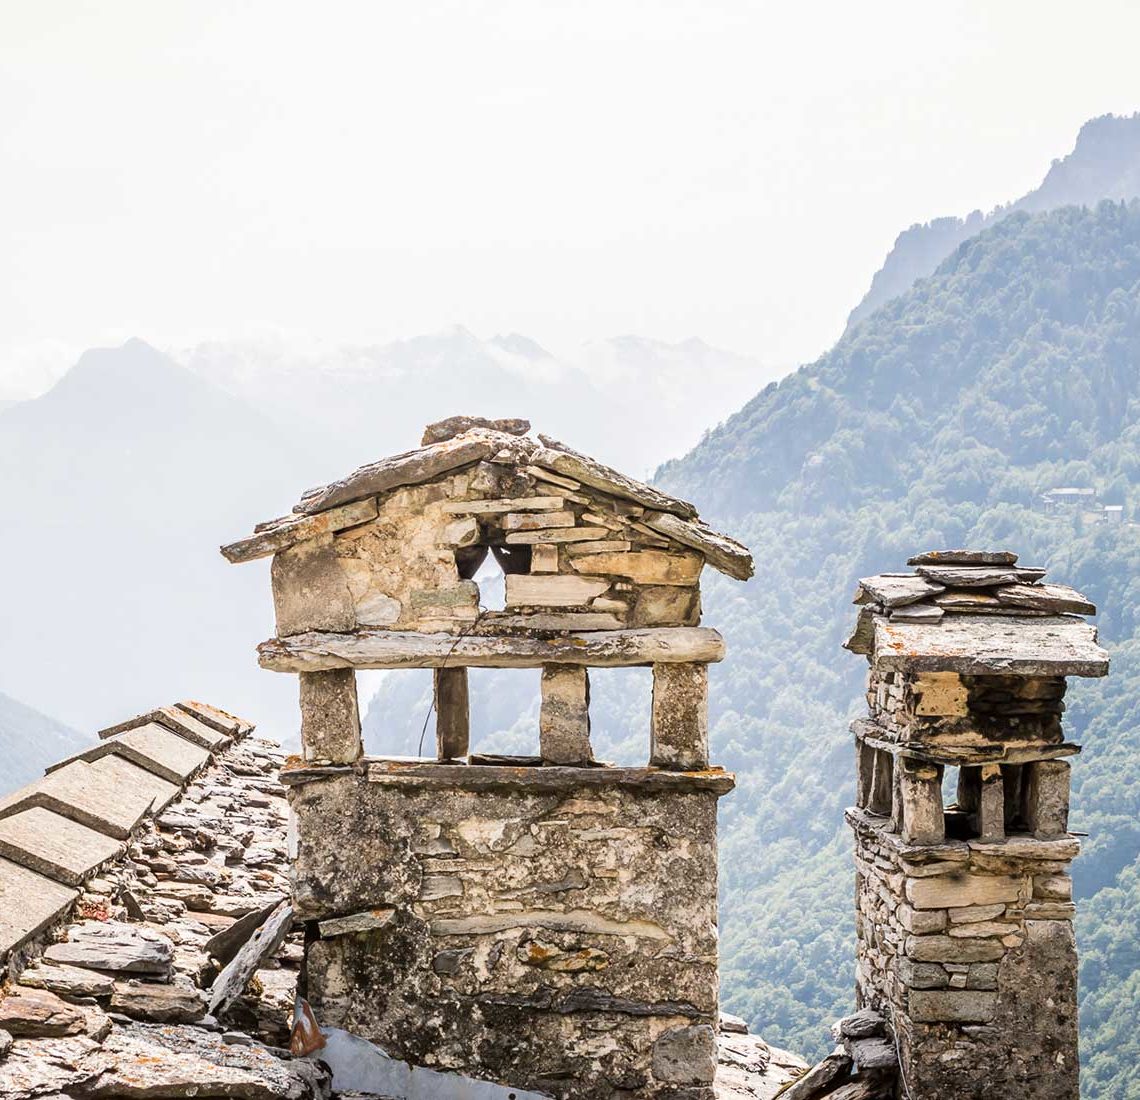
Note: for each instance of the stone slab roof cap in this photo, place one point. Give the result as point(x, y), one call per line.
point(462, 441)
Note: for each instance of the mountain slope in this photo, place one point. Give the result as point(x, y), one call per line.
point(938, 421)
point(119, 485)
point(30, 741)
point(1104, 164)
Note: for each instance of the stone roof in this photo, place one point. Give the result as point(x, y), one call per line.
point(147, 943)
point(460, 442)
point(976, 612)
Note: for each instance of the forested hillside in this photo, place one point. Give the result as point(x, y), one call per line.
point(938, 422)
point(1104, 164)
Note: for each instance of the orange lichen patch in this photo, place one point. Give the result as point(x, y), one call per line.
point(94, 910)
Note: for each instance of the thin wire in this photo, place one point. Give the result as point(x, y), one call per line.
point(898, 1055)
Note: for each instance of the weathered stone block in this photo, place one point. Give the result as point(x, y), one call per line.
point(564, 717)
point(685, 1056)
point(952, 1006)
point(680, 729)
point(554, 590)
point(653, 567)
point(957, 890)
point(666, 605)
point(940, 694)
point(921, 975)
point(310, 591)
point(330, 717)
point(947, 949)
point(544, 558)
point(920, 788)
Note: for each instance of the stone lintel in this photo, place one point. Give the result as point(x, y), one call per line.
point(318, 651)
point(1018, 846)
point(992, 644)
point(432, 775)
point(958, 756)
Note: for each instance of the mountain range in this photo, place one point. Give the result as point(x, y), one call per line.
point(123, 479)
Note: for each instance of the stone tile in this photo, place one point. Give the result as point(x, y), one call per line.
point(82, 793)
point(154, 748)
point(136, 778)
point(55, 846)
point(177, 721)
point(28, 904)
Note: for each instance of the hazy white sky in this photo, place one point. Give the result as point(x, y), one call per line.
point(569, 169)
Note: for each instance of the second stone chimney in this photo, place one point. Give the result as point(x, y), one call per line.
point(962, 849)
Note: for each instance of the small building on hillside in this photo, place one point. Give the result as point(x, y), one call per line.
point(546, 922)
point(1067, 499)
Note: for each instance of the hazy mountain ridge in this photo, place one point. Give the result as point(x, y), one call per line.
point(120, 483)
point(30, 741)
point(1104, 164)
point(123, 479)
point(630, 401)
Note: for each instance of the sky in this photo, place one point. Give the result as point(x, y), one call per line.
point(185, 171)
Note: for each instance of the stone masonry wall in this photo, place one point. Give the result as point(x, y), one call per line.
point(964, 900)
point(968, 947)
point(558, 934)
point(575, 558)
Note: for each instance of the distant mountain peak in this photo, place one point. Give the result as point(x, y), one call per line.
point(517, 344)
point(1104, 164)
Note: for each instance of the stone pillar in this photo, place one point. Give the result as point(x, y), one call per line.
point(564, 720)
point(981, 794)
point(680, 723)
point(920, 787)
point(1047, 798)
point(330, 717)
point(452, 714)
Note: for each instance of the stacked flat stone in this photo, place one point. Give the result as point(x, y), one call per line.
point(964, 902)
point(863, 1066)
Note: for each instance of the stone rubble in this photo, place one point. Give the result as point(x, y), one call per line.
point(115, 1003)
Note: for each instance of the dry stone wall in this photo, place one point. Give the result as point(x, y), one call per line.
point(560, 936)
point(574, 558)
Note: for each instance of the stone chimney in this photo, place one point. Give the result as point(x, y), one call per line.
point(962, 849)
point(547, 922)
